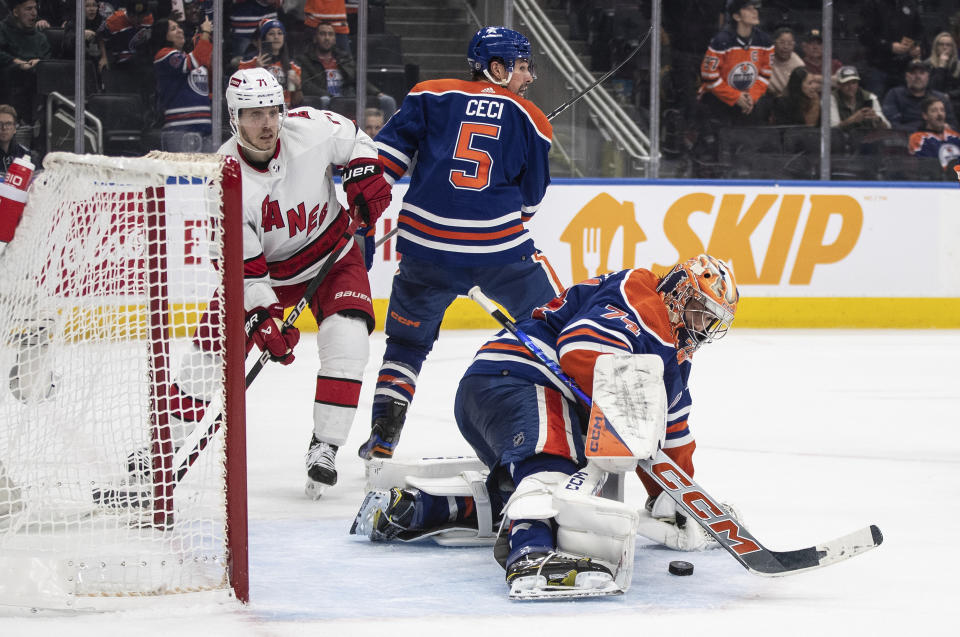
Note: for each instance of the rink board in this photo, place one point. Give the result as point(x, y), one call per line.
point(805, 254)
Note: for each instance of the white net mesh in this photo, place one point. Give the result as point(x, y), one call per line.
point(101, 290)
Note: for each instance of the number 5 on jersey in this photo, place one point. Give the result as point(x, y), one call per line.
point(481, 159)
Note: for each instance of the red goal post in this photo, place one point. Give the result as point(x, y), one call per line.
point(102, 289)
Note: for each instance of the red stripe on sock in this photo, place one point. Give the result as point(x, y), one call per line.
point(556, 443)
point(338, 391)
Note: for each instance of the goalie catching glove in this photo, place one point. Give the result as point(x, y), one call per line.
point(661, 522)
point(368, 193)
point(269, 335)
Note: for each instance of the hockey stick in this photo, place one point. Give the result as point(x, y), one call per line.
point(334, 255)
point(596, 83)
point(696, 502)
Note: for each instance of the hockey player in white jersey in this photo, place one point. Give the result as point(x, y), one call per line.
point(292, 224)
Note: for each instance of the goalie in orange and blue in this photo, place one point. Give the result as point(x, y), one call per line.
point(528, 428)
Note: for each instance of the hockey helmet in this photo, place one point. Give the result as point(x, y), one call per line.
point(252, 88)
point(701, 298)
point(497, 43)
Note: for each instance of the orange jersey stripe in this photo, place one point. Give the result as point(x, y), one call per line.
point(480, 88)
point(592, 334)
point(465, 236)
point(504, 347)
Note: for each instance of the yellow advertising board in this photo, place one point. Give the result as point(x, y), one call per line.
point(805, 255)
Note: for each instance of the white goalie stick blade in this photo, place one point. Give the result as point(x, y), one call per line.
point(738, 541)
point(535, 588)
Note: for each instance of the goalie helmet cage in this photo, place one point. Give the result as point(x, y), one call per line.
point(110, 275)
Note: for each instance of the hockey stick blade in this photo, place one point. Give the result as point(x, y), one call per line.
point(738, 541)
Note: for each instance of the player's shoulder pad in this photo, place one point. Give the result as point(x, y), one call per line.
point(310, 118)
point(530, 110)
point(639, 289)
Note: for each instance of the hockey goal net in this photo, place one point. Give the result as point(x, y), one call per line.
point(111, 271)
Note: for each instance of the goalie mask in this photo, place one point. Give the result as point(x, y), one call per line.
point(498, 43)
point(252, 88)
point(701, 298)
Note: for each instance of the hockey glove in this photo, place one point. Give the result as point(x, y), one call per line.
point(269, 335)
point(368, 193)
point(662, 522)
point(369, 245)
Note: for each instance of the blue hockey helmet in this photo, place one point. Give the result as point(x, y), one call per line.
point(493, 43)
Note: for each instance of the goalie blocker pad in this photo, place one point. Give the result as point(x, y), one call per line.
point(453, 476)
point(628, 418)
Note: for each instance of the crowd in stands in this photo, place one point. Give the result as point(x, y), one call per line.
point(156, 56)
point(730, 68)
point(742, 83)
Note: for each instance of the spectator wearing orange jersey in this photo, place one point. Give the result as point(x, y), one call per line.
point(935, 137)
point(332, 12)
point(736, 68)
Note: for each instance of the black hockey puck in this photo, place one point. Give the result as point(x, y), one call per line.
point(678, 567)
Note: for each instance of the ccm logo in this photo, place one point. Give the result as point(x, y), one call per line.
point(595, 428)
point(575, 481)
point(706, 509)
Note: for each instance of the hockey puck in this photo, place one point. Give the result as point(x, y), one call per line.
point(678, 567)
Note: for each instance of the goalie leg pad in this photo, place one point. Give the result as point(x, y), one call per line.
point(587, 524)
point(379, 516)
point(344, 346)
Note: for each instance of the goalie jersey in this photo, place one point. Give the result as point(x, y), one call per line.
point(480, 170)
point(291, 216)
point(618, 312)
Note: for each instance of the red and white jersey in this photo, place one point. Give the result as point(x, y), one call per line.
point(292, 218)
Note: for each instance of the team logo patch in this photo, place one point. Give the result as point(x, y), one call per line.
point(518, 439)
point(488, 90)
point(742, 76)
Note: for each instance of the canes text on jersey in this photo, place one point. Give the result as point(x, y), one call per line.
point(298, 219)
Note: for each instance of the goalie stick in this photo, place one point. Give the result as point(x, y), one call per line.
point(134, 497)
point(695, 502)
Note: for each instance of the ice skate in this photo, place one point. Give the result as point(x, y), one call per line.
point(321, 469)
point(557, 575)
point(385, 432)
point(384, 515)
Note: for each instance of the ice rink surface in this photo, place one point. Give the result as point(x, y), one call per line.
point(811, 434)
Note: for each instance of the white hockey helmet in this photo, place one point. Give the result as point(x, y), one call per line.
point(252, 88)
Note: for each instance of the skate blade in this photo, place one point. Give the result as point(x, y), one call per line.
point(534, 588)
point(314, 489)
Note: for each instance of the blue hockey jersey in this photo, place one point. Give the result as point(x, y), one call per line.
point(480, 170)
point(619, 312)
